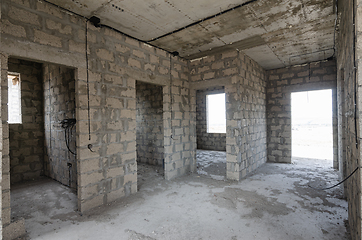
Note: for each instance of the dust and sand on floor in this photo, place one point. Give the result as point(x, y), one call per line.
point(272, 203)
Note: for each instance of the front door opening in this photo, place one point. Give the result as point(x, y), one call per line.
point(312, 129)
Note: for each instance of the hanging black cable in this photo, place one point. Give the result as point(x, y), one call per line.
point(170, 91)
point(355, 72)
point(87, 63)
point(350, 175)
point(68, 125)
point(50, 115)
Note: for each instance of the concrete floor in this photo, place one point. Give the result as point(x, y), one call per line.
point(273, 203)
point(211, 164)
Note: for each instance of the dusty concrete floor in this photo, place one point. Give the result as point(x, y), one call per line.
point(273, 203)
point(211, 163)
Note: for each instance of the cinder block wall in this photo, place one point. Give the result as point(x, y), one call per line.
point(5, 166)
point(281, 83)
point(42, 32)
point(205, 140)
point(59, 97)
point(150, 134)
point(349, 97)
point(27, 139)
point(245, 89)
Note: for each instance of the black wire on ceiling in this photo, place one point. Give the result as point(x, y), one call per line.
point(203, 20)
point(335, 28)
point(98, 24)
point(102, 25)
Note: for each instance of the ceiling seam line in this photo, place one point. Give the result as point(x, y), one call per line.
point(103, 5)
point(193, 20)
point(202, 20)
point(134, 15)
point(266, 31)
point(102, 25)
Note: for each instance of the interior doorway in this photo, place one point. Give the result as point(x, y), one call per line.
point(211, 132)
point(150, 132)
point(312, 125)
point(42, 138)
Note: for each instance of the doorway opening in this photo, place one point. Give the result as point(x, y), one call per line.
point(312, 126)
point(211, 132)
point(42, 140)
point(150, 133)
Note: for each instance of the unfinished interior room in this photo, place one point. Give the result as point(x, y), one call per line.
point(234, 119)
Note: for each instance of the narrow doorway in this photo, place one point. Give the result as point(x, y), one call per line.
point(211, 132)
point(60, 160)
point(42, 150)
point(312, 127)
point(150, 133)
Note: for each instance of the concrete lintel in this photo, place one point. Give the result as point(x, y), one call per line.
point(312, 86)
point(42, 53)
point(148, 78)
point(211, 83)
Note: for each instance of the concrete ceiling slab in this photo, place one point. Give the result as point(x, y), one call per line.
point(288, 31)
point(265, 57)
point(237, 25)
point(192, 40)
point(277, 14)
point(144, 20)
point(82, 7)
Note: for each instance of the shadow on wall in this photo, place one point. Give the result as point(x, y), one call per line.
point(150, 133)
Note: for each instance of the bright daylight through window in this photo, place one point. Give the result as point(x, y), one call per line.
point(14, 98)
point(216, 113)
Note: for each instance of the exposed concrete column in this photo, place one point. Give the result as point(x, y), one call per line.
point(349, 43)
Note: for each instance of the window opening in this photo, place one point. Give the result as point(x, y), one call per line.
point(216, 113)
point(14, 98)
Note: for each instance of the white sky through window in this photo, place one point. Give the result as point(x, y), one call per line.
point(14, 98)
point(216, 113)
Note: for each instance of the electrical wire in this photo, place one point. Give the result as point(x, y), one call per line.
point(170, 92)
point(350, 175)
point(335, 28)
point(68, 125)
point(87, 63)
point(354, 72)
point(203, 20)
